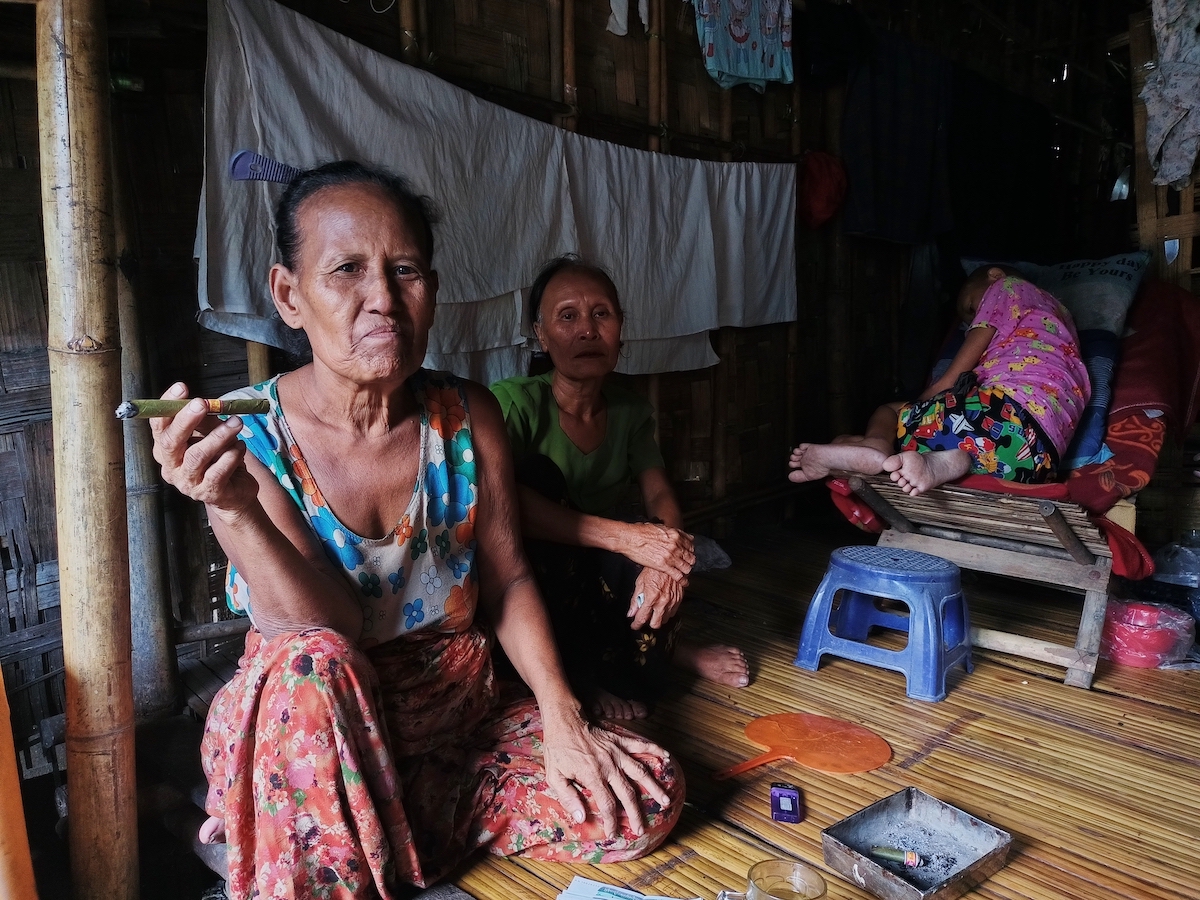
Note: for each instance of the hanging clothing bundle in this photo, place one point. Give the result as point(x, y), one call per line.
point(692, 245)
point(1172, 92)
point(745, 41)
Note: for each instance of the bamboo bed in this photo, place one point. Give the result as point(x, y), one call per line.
point(1049, 542)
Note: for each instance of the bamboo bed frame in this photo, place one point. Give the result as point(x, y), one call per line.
point(1044, 541)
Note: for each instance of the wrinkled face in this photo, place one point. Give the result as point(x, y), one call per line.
point(580, 325)
point(363, 289)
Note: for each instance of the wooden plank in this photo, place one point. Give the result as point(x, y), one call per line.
point(1018, 645)
point(1064, 573)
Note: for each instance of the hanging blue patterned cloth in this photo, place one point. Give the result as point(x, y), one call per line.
point(745, 41)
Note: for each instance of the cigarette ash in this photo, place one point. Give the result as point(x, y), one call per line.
point(942, 856)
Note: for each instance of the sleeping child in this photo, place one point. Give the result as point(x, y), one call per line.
point(1007, 406)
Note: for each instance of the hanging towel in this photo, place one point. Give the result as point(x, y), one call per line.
point(745, 41)
point(691, 245)
point(618, 19)
point(1172, 92)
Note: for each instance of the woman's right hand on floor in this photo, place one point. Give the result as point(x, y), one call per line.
point(669, 550)
point(210, 469)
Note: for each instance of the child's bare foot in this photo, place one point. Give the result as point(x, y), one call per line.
point(608, 705)
point(716, 662)
point(212, 831)
point(916, 473)
point(812, 462)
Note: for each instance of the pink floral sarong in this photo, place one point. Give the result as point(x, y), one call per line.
point(344, 774)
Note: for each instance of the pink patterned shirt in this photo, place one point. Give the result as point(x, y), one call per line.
point(1034, 356)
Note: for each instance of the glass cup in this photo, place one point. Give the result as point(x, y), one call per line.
point(779, 879)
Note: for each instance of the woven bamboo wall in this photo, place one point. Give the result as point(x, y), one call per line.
point(30, 642)
point(501, 49)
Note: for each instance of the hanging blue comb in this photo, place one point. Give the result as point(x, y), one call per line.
point(246, 165)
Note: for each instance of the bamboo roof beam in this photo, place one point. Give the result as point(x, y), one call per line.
point(85, 382)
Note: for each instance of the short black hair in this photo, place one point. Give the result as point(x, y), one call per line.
point(568, 262)
point(416, 208)
point(979, 274)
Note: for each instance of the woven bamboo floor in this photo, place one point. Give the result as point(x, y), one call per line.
point(1100, 789)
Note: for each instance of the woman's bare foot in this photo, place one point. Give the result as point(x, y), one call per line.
point(916, 473)
point(716, 662)
point(812, 462)
point(607, 705)
point(212, 831)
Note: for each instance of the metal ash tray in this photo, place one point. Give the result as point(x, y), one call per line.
point(959, 850)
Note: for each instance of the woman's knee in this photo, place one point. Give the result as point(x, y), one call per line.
point(320, 659)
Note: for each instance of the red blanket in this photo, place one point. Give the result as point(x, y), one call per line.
point(1159, 372)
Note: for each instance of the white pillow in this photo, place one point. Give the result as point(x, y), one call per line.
point(1096, 292)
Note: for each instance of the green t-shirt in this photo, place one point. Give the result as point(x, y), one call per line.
point(596, 480)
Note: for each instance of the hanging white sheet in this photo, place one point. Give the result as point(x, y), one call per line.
point(692, 246)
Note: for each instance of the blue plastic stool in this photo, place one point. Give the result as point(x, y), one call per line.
point(938, 625)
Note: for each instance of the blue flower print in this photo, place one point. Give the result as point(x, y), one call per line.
point(443, 543)
point(414, 613)
point(449, 495)
point(397, 580)
point(370, 584)
point(461, 451)
point(340, 544)
point(460, 566)
point(419, 543)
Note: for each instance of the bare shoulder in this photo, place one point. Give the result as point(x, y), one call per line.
point(485, 408)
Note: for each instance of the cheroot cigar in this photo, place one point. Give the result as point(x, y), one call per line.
point(909, 858)
point(148, 409)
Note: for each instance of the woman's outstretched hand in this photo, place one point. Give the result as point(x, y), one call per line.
point(669, 550)
point(201, 456)
point(590, 757)
point(656, 598)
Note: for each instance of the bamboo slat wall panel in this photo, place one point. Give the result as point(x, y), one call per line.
point(30, 636)
point(506, 44)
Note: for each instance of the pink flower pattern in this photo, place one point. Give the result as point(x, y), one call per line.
point(345, 774)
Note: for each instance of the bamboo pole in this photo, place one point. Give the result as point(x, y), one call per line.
point(258, 362)
point(410, 29)
point(16, 866)
point(554, 25)
point(837, 295)
point(85, 384)
point(793, 329)
point(155, 669)
point(663, 80)
point(725, 349)
point(569, 96)
point(656, 105)
point(654, 74)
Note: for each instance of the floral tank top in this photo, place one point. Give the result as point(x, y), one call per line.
point(421, 576)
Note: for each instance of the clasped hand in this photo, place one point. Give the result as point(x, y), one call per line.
point(656, 546)
point(201, 457)
point(656, 598)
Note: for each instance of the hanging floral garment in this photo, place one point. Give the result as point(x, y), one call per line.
point(745, 41)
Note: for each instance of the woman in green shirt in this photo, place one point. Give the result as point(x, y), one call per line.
point(613, 587)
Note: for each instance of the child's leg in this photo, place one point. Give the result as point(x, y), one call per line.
point(852, 453)
point(984, 432)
